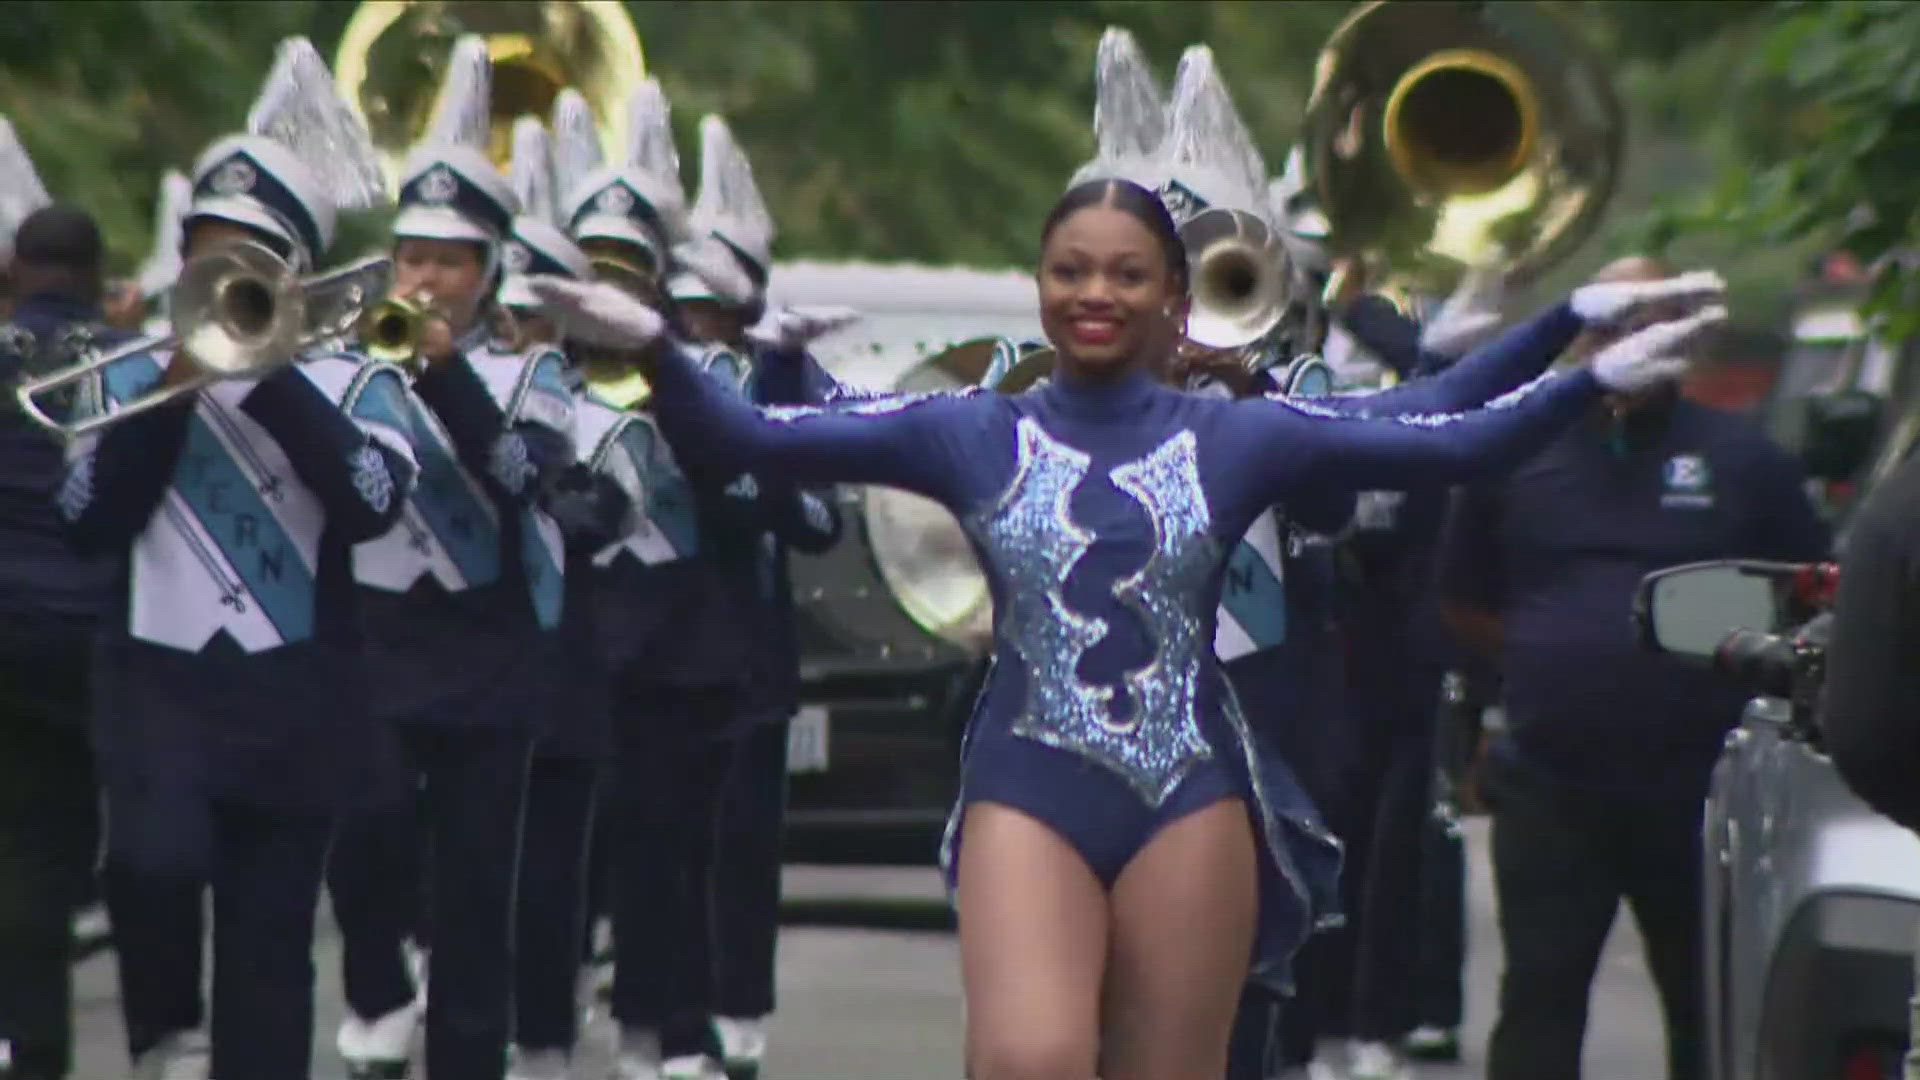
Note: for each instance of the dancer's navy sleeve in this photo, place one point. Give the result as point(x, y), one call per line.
point(916, 442)
point(1498, 367)
point(1302, 446)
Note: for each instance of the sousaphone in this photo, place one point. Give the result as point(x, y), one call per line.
point(1446, 135)
point(393, 54)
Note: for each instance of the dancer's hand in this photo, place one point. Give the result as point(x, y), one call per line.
point(794, 328)
point(1613, 304)
point(597, 313)
point(1654, 355)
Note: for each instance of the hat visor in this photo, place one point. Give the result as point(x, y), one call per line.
point(249, 213)
point(617, 228)
point(439, 223)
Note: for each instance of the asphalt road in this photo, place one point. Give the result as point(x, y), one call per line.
point(885, 1005)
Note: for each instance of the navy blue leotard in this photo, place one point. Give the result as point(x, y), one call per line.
point(1102, 513)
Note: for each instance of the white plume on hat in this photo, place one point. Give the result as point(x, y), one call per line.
point(729, 206)
point(576, 142)
point(537, 244)
point(531, 172)
point(462, 110)
point(1208, 149)
point(163, 263)
point(21, 192)
point(650, 145)
point(301, 109)
point(1129, 113)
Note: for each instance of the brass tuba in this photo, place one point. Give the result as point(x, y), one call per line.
point(1446, 135)
point(393, 52)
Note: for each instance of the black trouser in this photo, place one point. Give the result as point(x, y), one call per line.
point(1562, 861)
point(665, 830)
point(550, 908)
point(473, 780)
point(1254, 1051)
point(48, 837)
point(746, 879)
point(1438, 993)
point(1388, 946)
point(164, 849)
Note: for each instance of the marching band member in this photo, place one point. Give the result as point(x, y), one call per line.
point(459, 602)
point(230, 722)
point(630, 218)
point(720, 293)
point(51, 602)
point(596, 502)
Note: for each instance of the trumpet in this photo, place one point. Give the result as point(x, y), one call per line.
point(392, 329)
point(239, 312)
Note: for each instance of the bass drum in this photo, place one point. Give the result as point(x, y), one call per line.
point(903, 587)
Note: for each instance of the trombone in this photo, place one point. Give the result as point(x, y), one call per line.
point(239, 312)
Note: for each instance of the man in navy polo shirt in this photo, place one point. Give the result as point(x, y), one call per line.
point(1596, 789)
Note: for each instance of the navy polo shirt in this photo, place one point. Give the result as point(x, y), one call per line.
point(1557, 549)
point(41, 576)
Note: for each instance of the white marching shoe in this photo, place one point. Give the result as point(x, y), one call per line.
point(381, 1048)
point(184, 1055)
point(1376, 1061)
point(639, 1057)
point(743, 1043)
point(692, 1067)
point(538, 1065)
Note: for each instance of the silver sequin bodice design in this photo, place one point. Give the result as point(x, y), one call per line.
point(1028, 534)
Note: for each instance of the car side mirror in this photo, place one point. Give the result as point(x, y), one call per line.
point(1840, 433)
point(1690, 610)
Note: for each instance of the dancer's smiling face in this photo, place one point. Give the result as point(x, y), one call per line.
point(1112, 281)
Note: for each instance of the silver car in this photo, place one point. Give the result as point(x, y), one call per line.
point(1812, 901)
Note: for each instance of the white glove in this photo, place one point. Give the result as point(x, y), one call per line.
point(597, 312)
point(1652, 356)
point(793, 328)
point(1467, 318)
point(1610, 303)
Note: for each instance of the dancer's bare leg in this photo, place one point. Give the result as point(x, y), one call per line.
point(1183, 915)
point(1033, 947)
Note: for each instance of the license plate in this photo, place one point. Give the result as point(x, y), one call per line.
point(807, 740)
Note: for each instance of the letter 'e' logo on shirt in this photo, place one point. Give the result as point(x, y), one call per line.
point(1687, 481)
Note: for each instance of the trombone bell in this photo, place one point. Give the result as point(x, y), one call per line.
point(238, 312)
point(1237, 272)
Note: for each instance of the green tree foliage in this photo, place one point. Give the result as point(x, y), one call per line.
point(940, 130)
point(1821, 147)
